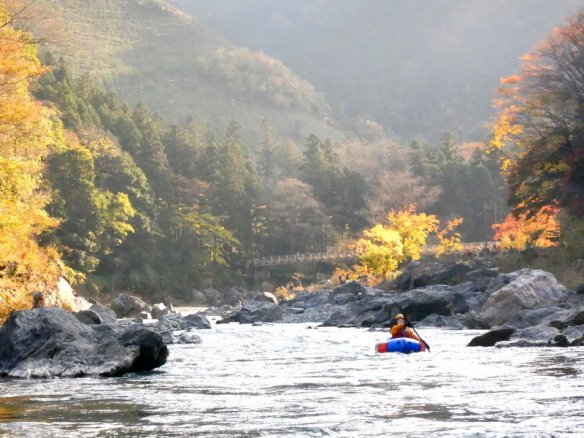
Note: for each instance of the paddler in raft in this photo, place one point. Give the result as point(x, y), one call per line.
point(400, 328)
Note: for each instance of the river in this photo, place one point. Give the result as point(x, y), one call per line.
point(290, 380)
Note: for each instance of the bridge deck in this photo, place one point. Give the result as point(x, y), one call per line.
point(338, 254)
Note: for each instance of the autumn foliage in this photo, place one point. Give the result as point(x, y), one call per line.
point(539, 134)
point(520, 232)
point(25, 132)
point(385, 247)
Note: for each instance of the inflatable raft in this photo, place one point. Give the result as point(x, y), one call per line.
point(400, 345)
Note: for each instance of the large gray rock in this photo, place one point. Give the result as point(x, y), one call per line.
point(482, 277)
point(175, 321)
point(526, 289)
point(356, 289)
point(419, 303)
point(107, 315)
point(312, 299)
point(259, 311)
point(341, 318)
point(159, 310)
point(417, 275)
point(267, 297)
point(127, 306)
point(88, 317)
point(49, 342)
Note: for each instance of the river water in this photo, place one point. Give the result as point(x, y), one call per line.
point(290, 380)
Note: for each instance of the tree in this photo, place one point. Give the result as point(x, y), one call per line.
point(92, 221)
point(26, 130)
point(539, 230)
point(469, 188)
point(384, 248)
point(539, 134)
point(342, 191)
point(234, 183)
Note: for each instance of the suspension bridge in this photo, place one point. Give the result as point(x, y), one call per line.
point(341, 254)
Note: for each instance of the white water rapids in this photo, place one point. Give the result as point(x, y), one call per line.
point(287, 380)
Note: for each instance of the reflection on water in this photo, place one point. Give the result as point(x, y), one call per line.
point(285, 380)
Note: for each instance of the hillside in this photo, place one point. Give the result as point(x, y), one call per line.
point(418, 68)
point(149, 51)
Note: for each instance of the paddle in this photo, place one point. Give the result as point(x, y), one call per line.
point(409, 324)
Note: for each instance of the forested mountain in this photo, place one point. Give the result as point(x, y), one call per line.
point(124, 162)
point(149, 51)
point(418, 68)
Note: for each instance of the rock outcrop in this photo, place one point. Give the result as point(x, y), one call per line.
point(48, 342)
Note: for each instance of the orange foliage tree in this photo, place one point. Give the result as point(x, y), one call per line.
point(520, 232)
point(539, 134)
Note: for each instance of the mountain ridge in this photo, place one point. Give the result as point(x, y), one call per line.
point(151, 51)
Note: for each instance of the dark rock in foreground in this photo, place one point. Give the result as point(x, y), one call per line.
point(49, 342)
point(490, 338)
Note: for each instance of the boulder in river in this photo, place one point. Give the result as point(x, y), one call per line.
point(175, 321)
point(88, 317)
point(255, 311)
point(48, 342)
point(490, 338)
point(526, 289)
point(267, 297)
point(312, 299)
point(419, 303)
point(107, 315)
point(159, 310)
point(259, 311)
point(127, 306)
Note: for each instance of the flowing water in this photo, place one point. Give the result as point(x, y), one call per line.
point(288, 380)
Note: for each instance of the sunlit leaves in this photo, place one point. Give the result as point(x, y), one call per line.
point(449, 240)
point(385, 247)
point(539, 133)
point(540, 230)
point(25, 133)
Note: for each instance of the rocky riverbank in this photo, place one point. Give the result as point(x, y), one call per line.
point(522, 308)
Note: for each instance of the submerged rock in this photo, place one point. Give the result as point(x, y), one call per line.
point(48, 342)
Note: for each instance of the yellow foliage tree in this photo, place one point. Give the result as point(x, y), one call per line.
point(448, 239)
point(384, 248)
point(25, 133)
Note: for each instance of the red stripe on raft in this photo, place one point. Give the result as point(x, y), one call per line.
point(381, 347)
